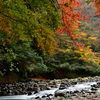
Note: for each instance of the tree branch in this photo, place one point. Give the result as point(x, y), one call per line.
point(54, 5)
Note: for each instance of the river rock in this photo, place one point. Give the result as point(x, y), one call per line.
point(48, 95)
point(95, 85)
point(98, 83)
point(62, 86)
point(29, 93)
point(48, 88)
point(16, 92)
point(60, 93)
point(58, 98)
point(73, 83)
point(93, 89)
point(42, 87)
point(98, 92)
point(35, 80)
point(36, 85)
point(38, 98)
point(29, 89)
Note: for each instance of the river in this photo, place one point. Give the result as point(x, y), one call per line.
point(79, 87)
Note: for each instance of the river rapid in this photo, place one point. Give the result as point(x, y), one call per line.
point(67, 89)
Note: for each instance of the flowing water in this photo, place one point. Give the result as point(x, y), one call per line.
point(46, 92)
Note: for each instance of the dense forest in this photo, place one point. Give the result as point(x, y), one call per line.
point(49, 38)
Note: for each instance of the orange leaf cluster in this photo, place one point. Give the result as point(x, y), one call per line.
point(79, 44)
point(97, 4)
point(70, 17)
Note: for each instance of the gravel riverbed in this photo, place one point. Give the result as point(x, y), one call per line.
point(87, 88)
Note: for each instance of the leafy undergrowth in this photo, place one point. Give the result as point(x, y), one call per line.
point(67, 64)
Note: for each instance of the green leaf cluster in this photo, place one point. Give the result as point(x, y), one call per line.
point(71, 62)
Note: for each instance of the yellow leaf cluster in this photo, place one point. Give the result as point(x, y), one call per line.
point(88, 55)
point(92, 38)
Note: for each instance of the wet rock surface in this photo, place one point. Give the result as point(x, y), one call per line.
point(62, 89)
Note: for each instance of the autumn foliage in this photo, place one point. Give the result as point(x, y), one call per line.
point(97, 4)
point(70, 18)
point(28, 34)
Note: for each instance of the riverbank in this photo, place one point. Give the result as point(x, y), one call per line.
point(86, 88)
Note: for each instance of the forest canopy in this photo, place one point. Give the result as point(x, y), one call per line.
point(33, 33)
